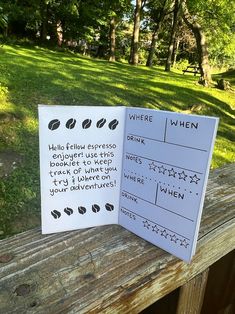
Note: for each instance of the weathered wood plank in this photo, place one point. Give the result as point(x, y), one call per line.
point(192, 294)
point(108, 269)
point(220, 289)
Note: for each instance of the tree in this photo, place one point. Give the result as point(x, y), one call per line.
point(112, 40)
point(202, 49)
point(134, 58)
point(117, 9)
point(156, 16)
point(44, 20)
point(176, 14)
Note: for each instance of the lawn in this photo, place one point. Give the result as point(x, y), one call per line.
point(32, 76)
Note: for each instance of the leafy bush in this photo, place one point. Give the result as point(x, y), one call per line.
point(182, 64)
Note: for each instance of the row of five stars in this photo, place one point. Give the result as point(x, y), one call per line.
point(165, 234)
point(173, 173)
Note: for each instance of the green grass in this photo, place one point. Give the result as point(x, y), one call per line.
point(32, 76)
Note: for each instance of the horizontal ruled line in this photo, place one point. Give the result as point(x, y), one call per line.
point(164, 163)
point(156, 223)
point(166, 142)
point(166, 209)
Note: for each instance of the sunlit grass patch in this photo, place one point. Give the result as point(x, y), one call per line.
point(32, 76)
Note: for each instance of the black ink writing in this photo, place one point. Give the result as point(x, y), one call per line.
point(172, 193)
point(184, 124)
point(128, 214)
point(101, 146)
point(141, 117)
point(81, 187)
point(71, 157)
point(71, 169)
point(136, 139)
point(130, 197)
point(134, 158)
point(55, 191)
point(134, 178)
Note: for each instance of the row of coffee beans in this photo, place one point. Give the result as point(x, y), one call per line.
point(81, 210)
point(86, 124)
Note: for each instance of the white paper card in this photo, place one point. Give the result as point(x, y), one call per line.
point(165, 169)
point(80, 162)
point(143, 169)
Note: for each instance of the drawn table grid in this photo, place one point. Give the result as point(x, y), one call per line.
point(163, 163)
point(164, 140)
point(155, 204)
point(158, 172)
point(162, 231)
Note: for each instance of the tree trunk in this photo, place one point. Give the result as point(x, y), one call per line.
point(203, 56)
point(173, 35)
point(175, 51)
point(102, 48)
point(134, 57)
point(44, 18)
point(59, 31)
point(149, 62)
point(112, 39)
point(155, 34)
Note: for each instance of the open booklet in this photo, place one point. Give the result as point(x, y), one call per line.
point(143, 169)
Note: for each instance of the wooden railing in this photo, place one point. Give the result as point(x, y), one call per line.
point(110, 270)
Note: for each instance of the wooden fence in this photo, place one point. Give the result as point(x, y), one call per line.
point(110, 270)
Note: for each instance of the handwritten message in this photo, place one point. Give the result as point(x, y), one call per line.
point(80, 159)
point(74, 167)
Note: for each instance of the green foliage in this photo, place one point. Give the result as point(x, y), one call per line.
point(3, 19)
point(217, 19)
point(30, 76)
point(84, 25)
point(182, 64)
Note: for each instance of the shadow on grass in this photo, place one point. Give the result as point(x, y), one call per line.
point(36, 76)
point(42, 76)
point(229, 75)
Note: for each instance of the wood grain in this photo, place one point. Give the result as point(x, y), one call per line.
point(107, 269)
point(192, 294)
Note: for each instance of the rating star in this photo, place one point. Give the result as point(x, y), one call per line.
point(172, 173)
point(155, 228)
point(162, 169)
point(152, 166)
point(194, 179)
point(184, 243)
point(182, 175)
point(174, 238)
point(164, 233)
point(146, 224)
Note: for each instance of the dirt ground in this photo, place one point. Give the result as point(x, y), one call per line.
point(9, 161)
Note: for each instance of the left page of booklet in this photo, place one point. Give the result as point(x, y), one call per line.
point(80, 166)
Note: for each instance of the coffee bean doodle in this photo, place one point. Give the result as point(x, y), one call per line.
point(70, 124)
point(100, 123)
point(86, 123)
point(68, 211)
point(82, 210)
point(56, 214)
point(95, 208)
point(109, 207)
point(53, 124)
point(113, 124)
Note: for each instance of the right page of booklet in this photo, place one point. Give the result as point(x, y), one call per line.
point(166, 162)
